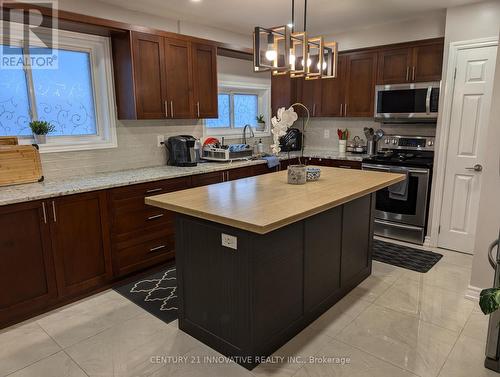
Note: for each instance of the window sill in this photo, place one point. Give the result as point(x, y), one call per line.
point(73, 147)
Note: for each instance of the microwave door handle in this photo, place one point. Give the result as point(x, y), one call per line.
point(428, 100)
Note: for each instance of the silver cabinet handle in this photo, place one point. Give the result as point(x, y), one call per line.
point(407, 72)
point(152, 250)
point(227, 176)
point(345, 109)
point(413, 74)
point(492, 260)
point(54, 211)
point(344, 166)
point(156, 216)
point(198, 108)
point(477, 167)
point(172, 109)
point(341, 108)
point(153, 190)
point(44, 213)
point(166, 109)
point(314, 109)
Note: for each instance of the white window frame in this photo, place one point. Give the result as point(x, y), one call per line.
point(264, 107)
point(99, 50)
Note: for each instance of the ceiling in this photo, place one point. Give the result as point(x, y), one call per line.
point(324, 16)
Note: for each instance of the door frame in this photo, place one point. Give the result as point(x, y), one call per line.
point(443, 131)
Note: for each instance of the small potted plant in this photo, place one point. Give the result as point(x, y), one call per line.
point(261, 123)
point(40, 129)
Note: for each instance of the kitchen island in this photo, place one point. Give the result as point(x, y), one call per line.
point(258, 259)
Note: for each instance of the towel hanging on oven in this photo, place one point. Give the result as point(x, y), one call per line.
point(399, 191)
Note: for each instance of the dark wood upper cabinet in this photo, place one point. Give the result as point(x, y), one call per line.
point(416, 62)
point(394, 66)
point(205, 86)
point(360, 77)
point(158, 77)
point(179, 78)
point(428, 62)
point(283, 92)
point(332, 92)
point(309, 93)
point(26, 267)
point(149, 74)
point(80, 242)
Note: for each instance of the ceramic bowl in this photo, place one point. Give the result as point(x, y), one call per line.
point(313, 174)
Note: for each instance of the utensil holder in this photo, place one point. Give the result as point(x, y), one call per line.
point(342, 147)
point(371, 147)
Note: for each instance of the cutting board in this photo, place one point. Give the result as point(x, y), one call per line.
point(19, 164)
point(8, 140)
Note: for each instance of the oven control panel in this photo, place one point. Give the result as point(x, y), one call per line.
point(420, 143)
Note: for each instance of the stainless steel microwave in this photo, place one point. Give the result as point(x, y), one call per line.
point(416, 102)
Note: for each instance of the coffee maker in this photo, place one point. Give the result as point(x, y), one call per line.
point(181, 151)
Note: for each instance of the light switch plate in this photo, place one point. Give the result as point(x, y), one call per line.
point(159, 140)
point(229, 241)
point(326, 134)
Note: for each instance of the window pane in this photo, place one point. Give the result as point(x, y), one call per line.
point(14, 104)
point(224, 119)
point(245, 109)
point(64, 96)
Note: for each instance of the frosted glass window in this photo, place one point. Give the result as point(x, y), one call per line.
point(64, 96)
point(246, 107)
point(14, 102)
point(224, 119)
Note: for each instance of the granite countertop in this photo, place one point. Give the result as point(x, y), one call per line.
point(233, 204)
point(58, 187)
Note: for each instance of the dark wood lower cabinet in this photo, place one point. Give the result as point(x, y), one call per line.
point(80, 242)
point(26, 266)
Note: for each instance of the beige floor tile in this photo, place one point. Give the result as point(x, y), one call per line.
point(340, 315)
point(347, 361)
point(388, 273)
point(308, 343)
point(439, 306)
point(23, 345)
point(125, 350)
point(401, 339)
point(476, 326)
point(73, 323)
point(466, 360)
point(58, 365)
point(443, 275)
point(370, 288)
point(202, 362)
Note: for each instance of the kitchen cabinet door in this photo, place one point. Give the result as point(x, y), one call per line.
point(427, 62)
point(332, 92)
point(283, 92)
point(179, 79)
point(205, 80)
point(80, 242)
point(208, 178)
point(309, 93)
point(395, 66)
point(149, 76)
point(26, 266)
point(361, 75)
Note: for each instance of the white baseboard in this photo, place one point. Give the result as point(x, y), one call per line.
point(472, 293)
point(427, 242)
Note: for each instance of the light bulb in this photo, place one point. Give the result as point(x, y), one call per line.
point(271, 55)
point(324, 66)
point(309, 62)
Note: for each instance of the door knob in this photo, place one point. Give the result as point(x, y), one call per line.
point(476, 167)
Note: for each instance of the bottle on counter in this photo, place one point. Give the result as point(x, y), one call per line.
point(260, 147)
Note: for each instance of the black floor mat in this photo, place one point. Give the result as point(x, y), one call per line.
point(155, 293)
point(403, 256)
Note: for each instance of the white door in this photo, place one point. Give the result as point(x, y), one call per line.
point(475, 68)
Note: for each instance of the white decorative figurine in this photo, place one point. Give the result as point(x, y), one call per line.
point(281, 122)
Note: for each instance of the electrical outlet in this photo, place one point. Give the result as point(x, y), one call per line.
point(326, 134)
point(159, 140)
point(229, 241)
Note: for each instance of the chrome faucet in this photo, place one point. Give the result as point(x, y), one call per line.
point(245, 133)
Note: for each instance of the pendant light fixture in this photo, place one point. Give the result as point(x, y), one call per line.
point(284, 51)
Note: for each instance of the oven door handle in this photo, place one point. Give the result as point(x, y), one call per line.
point(428, 100)
point(386, 168)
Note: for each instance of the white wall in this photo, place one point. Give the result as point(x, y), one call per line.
point(430, 25)
point(489, 205)
point(474, 21)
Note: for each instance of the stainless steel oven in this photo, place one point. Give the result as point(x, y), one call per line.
point(402, 219)
point(416, 102)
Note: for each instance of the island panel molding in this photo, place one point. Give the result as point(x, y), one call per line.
point(265, 203)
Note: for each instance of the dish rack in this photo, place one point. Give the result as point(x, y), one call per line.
point(229, 152)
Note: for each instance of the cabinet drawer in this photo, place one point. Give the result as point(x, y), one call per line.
point(207, 178)
point(238, 173)
point(146, 254)
point(347, 164)
point(142, 218)
point(132, 197)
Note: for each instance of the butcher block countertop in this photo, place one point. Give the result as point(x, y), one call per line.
point(267, 202)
